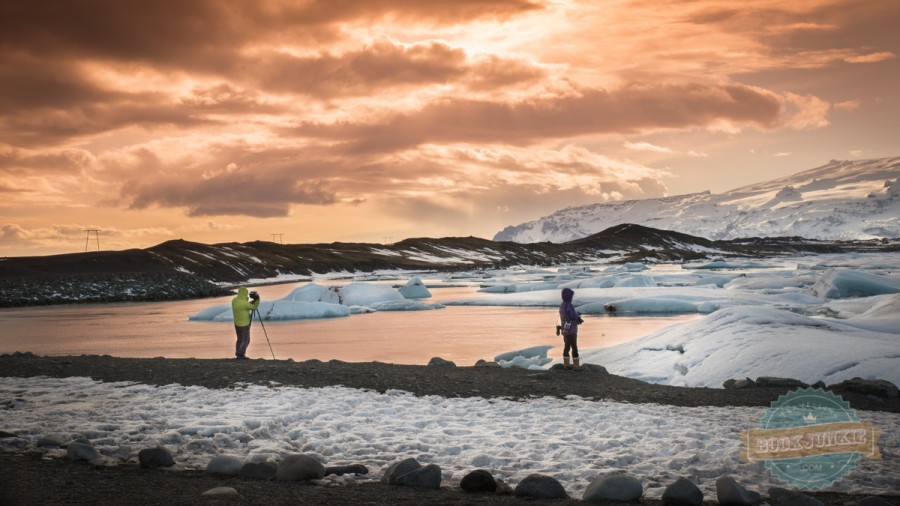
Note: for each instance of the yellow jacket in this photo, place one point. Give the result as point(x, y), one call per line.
point(242, 307)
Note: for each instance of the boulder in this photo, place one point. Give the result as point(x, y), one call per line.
point(300, 467)
point(259, 470)
point(429, 476)
point(541, 487)
point(729, 383)
point(503, 488)
point(614, 487)
point(81, 451)
point(744, 383)
point(225, 464)
point(439, 362)
point(153, 458)
point(594, 368)
point(783, 497)
point(877, 387)
point(683, 493)
point(398, 469)
point(730, 493)
point(484, 363)
point(774, 381)
point(478, 480)
point(357, 469)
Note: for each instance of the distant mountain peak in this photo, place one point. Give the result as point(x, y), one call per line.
point(842, 200)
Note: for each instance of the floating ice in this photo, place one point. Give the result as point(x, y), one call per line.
point(846, 283)
point(415, 289)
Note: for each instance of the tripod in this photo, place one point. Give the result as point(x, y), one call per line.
point(264, 330)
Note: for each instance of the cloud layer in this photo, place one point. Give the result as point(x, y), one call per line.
point(424, 117)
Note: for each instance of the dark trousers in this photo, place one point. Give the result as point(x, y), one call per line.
point(570, 342)
point(243, 340)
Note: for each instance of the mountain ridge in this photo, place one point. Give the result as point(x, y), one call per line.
point(842, 200)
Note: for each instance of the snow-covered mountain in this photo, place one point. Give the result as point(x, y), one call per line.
point(843, 200)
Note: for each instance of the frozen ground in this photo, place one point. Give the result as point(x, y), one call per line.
point(571, 439)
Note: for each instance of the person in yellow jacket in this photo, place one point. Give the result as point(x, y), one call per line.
point(242, 307)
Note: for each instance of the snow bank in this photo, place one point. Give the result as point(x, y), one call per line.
point(572, 439)
point(740, 342)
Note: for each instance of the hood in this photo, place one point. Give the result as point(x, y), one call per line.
point(567, 294)
point(243, 292)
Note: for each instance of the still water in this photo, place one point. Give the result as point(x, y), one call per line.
point(462, 334)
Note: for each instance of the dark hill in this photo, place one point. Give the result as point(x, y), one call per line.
point(181, 269)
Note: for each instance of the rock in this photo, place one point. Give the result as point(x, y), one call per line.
point(225, 464)
point(503, 488)
point(783, 497)
point(300, 467)
point(873, 500)
point(594, 368)
point(49, 442)
point(81, 451)
point(429, 476)
point(349, 469)
point(478, 480)
point(4, 434)
point(880, 388)
point(259, 470)
point(221, 492)
point(773, 381)
point(820, 385)
point(683, 492)
point(730, 493)
point(485, 363)
point(744, 383)
point(614, 487)
point(152, 458)
point(398, 469)
point(729, 383)
point(439, 362)
point(541, 487)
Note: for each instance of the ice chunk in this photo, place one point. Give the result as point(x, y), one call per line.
point(528, 358)
point(843, 283)
point(313, 292)
point(366, 294)
point(415, 289)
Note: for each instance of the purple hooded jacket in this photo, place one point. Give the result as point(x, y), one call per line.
point(567, 312)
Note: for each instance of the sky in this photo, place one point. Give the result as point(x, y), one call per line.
point(377, 120)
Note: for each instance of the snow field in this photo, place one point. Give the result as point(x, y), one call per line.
point(574, 439)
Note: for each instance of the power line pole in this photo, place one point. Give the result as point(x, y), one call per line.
point(280, 238)
point(87, 238)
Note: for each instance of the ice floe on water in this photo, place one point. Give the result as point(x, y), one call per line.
point(573, 440)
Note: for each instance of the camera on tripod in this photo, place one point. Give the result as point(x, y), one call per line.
point(254, 295)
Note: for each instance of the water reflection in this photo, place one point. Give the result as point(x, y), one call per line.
point(462, 334)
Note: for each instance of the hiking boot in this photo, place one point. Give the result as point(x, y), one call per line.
point(577, 364)
point(566, 364)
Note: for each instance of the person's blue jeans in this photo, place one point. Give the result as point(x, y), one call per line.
point(243, 340)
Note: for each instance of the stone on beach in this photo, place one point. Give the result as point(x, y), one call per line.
point(730, 493)
point(683, 492)
point(783, 497)
point(614, 487)
point(300, 467)
point(221, 492)
point(152, 458)
point(225, 464)
point(429, 476)
point(541, 487)
point(478, 480)
point(81, 451)
point(357, 469)
point(259, 470)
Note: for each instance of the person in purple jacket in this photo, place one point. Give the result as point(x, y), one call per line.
point(569, 320)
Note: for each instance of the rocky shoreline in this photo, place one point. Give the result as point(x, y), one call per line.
point(76, 479)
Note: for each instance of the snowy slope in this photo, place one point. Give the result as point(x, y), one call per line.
point(844, 200)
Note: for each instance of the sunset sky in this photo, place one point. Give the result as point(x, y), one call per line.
point(377, 120)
